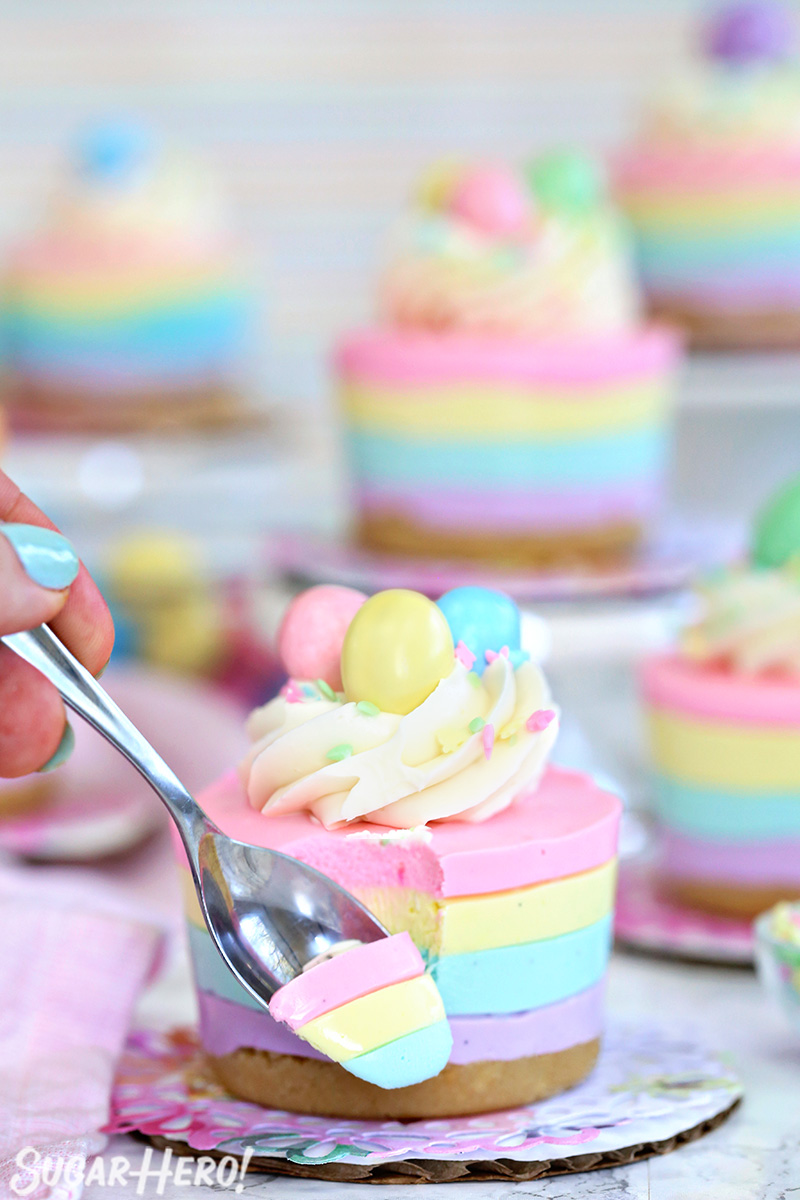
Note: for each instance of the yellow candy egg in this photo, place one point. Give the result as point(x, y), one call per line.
point(397, 648)
point(438, 184)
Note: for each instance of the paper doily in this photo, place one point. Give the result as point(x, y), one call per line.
point(668, 563)
point(645, 920)
point(650, 1092)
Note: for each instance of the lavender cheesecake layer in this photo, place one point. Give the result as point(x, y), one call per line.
point(516, 510)
point(226, 1027)
point(743, 864)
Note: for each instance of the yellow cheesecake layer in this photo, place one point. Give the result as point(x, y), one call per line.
point(694, 750)
point(467, 924)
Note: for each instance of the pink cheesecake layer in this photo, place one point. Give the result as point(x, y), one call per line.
point(700, 170)
point(566, 826)
point(744, 864)
point(347, 977)
point(227, 1027)
point(414, 358)
point(672, 682)
point(57, 255)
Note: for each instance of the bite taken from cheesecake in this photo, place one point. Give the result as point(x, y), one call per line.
point(410, 766)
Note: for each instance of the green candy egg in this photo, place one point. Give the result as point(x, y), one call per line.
point(566, 180)
point(776, 536)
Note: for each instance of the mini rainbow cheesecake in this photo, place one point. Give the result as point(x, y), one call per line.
point(127, 307)
point(712, 184)
point(405, 758)
point(510, 404)
point(724, 716)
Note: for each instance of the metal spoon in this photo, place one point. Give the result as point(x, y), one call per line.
point(268, 914)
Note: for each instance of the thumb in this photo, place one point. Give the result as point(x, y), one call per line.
point(37, 566)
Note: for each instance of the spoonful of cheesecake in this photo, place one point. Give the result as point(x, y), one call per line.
point(302, 946)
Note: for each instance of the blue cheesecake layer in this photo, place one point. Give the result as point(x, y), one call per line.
point(516, 978)
point(195, 337)
point(509, 464)
point(729, 815)
point(407, 1060)
point(505, 980)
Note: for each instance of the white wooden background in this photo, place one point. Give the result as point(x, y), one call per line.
point(318, 114)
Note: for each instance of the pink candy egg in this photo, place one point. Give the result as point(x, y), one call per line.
point(493, 200)
point(312, 632)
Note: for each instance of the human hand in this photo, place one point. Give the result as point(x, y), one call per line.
point(41, 582)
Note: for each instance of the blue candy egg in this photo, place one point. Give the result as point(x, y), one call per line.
point(115, 150)
point(483, 620)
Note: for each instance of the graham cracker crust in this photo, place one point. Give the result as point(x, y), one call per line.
point(606, 546)
point(306, 1085)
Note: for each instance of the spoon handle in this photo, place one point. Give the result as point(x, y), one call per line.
point(81, 692)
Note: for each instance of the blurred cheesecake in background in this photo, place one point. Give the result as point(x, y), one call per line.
point(724, 717)
point(167, 610)
point(712, 184)
point(510, 405)
point(127, 307)
point(25, 795)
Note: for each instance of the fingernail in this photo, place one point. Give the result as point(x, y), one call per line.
point(46, 556)
point(65, 748)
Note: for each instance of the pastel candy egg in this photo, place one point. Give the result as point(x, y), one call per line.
point(312, 632)
point(492, 200)
point(751, 32)
point(397, 649)
point(483, 620)
point(438, 183)
point(566, 181)
point(114, 151)
point(776, 538)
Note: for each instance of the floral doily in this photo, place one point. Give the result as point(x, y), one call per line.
point(646, 921)
point(648, 1086)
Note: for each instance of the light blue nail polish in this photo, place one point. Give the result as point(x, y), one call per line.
point(47, 556)
point(65, 748)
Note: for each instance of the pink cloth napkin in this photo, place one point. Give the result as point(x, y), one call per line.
point(74, 956)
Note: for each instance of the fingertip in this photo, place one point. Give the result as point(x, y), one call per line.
point(32, 717)
point(24, 603)
point(85, 624)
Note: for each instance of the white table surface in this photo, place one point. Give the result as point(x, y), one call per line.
point(755, 1155)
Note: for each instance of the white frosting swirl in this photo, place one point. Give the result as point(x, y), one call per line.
point(751, 621)
point(404, 771)
point(168, 198)
point(572, 274)
point(718, 106)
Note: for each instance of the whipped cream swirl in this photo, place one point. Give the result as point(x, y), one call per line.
point(465, 752)
point(571, 274)
point(166, 197)
point(712, 106)
point(751, 621)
